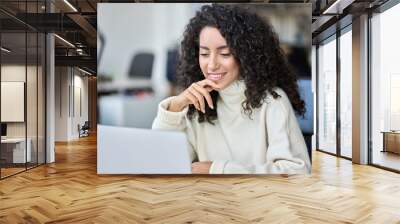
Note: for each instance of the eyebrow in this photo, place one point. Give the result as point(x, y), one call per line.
point(218, 48)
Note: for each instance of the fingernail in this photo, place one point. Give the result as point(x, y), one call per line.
point(212, 107)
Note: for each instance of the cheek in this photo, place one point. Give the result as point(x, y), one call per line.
point(233, 67)
point(202, 64)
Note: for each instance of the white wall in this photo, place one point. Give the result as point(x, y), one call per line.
point(33, 125)
point(80, 102)
point(12, 73)
point(61, 103)
point(15, 72)
point(69, 82)
point(83, 84)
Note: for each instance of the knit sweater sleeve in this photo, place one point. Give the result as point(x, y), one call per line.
point(175, 121)
point(286, 152)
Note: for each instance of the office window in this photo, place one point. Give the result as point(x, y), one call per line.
point(22, 93)
point(327, 96)
point(13, 147)
point(346, 93)
point(31, 99)
point(385, 89)
point(41, 79)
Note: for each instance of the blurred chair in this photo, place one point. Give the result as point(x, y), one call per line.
point(141, 66)
point(172, 61)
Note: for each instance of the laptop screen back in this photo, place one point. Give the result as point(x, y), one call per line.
point(122, 150)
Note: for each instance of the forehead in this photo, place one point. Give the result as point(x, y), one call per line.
point(211, 37)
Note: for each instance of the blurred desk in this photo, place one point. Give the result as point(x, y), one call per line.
point(391, 141)
point(13, 150)
point(122, 85)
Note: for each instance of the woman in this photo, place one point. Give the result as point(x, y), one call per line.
point(235, 108)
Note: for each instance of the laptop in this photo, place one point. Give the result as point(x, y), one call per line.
point(123, 150)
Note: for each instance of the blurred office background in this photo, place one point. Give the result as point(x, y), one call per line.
point(137, 58)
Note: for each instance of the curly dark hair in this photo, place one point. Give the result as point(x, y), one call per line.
point(255, 46)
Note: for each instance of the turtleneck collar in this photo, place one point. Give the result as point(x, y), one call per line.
point(234, 92)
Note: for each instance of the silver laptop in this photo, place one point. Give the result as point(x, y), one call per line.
point(122, 150)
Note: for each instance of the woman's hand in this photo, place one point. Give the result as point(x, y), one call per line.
point(201, 167)
point(195, 94)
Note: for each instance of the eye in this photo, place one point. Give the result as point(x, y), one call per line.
point(204, 54)
point(226, 55)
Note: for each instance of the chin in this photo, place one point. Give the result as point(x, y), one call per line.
point(222, 85)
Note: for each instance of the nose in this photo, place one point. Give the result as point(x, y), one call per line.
point(213, 63)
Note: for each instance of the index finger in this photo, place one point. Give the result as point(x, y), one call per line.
point(205, 93)
point(206, 82)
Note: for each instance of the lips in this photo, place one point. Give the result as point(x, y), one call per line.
point(216, 76)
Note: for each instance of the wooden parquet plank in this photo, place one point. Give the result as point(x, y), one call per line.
point(70, 191)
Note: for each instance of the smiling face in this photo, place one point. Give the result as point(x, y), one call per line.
point(216, 59)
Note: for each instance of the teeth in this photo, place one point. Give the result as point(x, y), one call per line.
point(215, 76)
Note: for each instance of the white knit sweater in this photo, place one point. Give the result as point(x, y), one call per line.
point(269, 143)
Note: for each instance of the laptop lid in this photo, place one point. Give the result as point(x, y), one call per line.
point(122, 150)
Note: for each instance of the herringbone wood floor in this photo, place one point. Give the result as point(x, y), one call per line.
point(70, 191)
